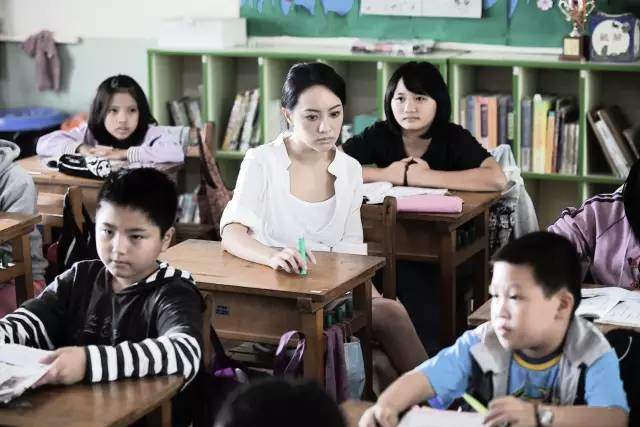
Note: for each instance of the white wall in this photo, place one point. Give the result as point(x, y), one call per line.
point(105, 18)
point(102, 52)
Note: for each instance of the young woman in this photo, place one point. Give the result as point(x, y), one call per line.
point(417, 145)
point(120, 127)
point(300, 185)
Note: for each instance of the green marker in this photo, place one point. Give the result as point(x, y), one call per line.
point(473, 402)
point(302, 250)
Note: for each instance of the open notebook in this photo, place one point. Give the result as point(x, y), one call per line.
point(611, 305)
point(427, 417)
point(375, 192)
point(19, 369)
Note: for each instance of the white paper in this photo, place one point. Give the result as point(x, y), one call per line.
point(19, 369)
point(375, 192)
point(596, 306)
point(448, 8)
point(625, 314)
point(620, 293)
point(427, 417)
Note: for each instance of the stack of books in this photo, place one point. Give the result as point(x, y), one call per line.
point(243, 127)
point(549, 135)
point(185, 111)
point(620, 142)
point(489, 118)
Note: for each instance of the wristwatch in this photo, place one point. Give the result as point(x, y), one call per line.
point(544, 416)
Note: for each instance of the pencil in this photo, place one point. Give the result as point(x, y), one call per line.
point(473, 402)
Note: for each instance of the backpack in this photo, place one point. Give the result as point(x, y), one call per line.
point(626, 344)
point(74, 244)
point(212, 195)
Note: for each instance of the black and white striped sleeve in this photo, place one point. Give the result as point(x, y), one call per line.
point(24, 327)
point(176, 350)
point(175, 353)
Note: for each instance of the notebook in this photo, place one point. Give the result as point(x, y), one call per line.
point(375, 192)
point(428, 417)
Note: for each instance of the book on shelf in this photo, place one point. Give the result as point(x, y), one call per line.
point(235, 124)
point(615, 120)
point(526, 134)
point(250, 120)
point(615, 158)
point(541, 106)
point(193, 111)
point(632, 136)
point(566, 112)
point(178, 112)
point(188, 211)
point(185, 111)
point(505, 120)
point(549, 147)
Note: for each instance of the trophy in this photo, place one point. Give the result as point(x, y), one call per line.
point(575, 46)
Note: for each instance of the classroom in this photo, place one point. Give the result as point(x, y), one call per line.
point(344, 213)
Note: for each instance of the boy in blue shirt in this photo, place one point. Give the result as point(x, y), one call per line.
point(535, 363)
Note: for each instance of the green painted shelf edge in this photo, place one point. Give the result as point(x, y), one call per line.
point(592, 179)
point(551, 63)
point(439, 58)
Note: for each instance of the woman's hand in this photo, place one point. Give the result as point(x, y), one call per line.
point(394, 173)
point(84, 149)
point(290, 260)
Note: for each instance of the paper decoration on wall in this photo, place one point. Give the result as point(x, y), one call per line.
point(443, 8)
point(545, 5)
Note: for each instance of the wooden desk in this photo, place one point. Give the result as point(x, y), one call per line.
point(52, 181)
point(117, 403)
point(433, 238)
point(255, 303)
point(483, 314)
point(15, 229)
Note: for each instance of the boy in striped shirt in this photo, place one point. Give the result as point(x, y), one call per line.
point(126, 314)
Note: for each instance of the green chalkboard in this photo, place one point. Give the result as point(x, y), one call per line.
point(528, 26)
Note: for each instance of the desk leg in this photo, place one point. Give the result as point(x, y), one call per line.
point(362, 304)
point(314, 353)
point(159, 417)
point(447, 287)
point(481, 267)
point(21, 254)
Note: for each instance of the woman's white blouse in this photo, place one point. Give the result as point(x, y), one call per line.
point(262, 202)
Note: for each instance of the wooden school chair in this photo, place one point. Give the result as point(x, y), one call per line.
point(378, 225)
point(50, 207)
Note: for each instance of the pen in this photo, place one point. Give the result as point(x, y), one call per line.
point(473, 402)
point(302, 250)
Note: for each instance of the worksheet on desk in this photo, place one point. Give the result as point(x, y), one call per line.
point(427, 417)
point(626, 313)
point(20, 368)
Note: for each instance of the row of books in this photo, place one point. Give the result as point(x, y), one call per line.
point(243, 128)
point(620, 142)
point(188, 210)
point(489, 118)
point(549, 135)
point(185, 112)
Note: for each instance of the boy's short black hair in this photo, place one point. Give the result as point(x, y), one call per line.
point(553, 259)
point(422, 78)
point(146, 189)
point(280, 402)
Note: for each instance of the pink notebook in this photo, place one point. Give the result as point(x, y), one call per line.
point(430, 203)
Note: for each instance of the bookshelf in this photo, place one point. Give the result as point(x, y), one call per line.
point(590, 84)
point(223, 73)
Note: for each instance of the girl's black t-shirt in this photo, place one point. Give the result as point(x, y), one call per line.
point(451, 149)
